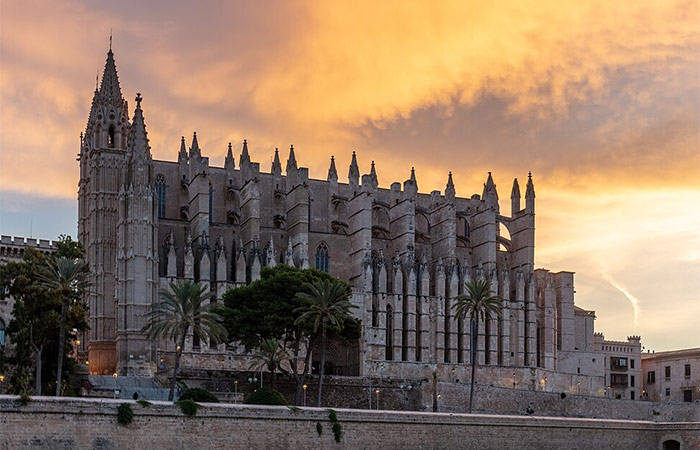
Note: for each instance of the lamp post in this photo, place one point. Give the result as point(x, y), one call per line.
point(545, 383)
point(377, 392)
point(304, 388)
point(235, 391)
point(578, 388)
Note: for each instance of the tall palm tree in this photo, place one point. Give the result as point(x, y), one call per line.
point(180, 311)
point(67, 277)
point(270, 353)
point(325, 303)
point(478, 303)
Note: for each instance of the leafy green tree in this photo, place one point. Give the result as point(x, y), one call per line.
point(270, 354)
point(327, 302)
point(479, 304)
point(35, 326)
point(268, 308)
point(182, 309)
point(68, 278)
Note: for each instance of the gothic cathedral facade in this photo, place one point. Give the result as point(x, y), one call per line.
point(407, 254)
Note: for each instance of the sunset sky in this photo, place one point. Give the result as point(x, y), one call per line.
point(599, 99)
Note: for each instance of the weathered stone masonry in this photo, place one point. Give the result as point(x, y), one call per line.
point(82, 423)
point(407, 254)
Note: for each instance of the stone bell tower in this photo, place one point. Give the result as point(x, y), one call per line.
point(102, 157)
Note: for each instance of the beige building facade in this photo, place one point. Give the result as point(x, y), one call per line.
point(672, 376)
point(407, 254)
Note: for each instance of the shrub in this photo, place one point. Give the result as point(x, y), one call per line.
point(198, 395)
point(144, 403)
point(188, 407)
point(124, 414)
point(319, 428)
point(24, 398)
point(336, 426)
point(265, 396)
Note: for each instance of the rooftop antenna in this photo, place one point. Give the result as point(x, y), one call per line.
point(97, 79)
point(110, 39)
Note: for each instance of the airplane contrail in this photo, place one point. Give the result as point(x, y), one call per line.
point(620, 287)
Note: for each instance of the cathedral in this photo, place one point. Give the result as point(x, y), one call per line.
point(407, 254)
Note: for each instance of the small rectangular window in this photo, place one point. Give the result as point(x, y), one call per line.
point(668, 392)
point(651, 377)
point(667, 372)
point(687, 370)
point(631, 363)
point(632, 382)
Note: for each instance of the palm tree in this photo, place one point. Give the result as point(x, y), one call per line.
point(478, 303)
point(325, 303)
point(180, 311)
point(67, 277)
point(270, 353)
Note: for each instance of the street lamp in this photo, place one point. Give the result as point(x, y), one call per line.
point(304, 388)
point(578, 387)
point(377, 392)
point(235, 391)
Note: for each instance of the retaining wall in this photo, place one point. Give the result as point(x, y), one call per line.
point(91, 423)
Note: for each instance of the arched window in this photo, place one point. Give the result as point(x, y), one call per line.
point(389, 333)
point(160, 195)
point(110, 137)
point(211, 204)
point(322, 257)
point(263, 256)
point(2, 333)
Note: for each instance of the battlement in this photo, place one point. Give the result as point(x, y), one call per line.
point(13, 246)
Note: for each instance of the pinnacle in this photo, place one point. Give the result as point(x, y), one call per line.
point(354, 172)
point(515, 193)
point(292, 161)
point(332, 172)
point(530, 191)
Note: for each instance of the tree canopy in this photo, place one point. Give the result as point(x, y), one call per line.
point(36, 318)
point(270, 308)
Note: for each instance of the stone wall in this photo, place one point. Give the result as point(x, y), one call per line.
point(417, 395)
point(81, 423)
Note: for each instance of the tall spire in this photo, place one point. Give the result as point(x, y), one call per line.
point(229, 162)
point(277, 164)
point(450, 188)
point(110, 89)
point(291, 162)
point(332, 172)
point(354, 172)
point(138, 148)
point(245, 156)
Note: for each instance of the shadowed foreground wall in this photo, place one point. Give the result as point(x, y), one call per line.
point(88, 423)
